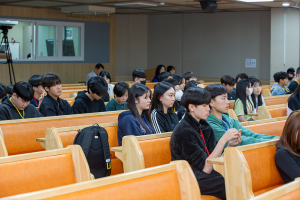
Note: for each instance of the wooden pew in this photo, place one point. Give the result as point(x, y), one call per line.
point(251, 170)
point(144, 151)
point(172, 181)
point(267, 112)
point(287, 191)
point(67, 93)
point(20, 135)
point(42, 170)
point(58, 138)
point(271, 128)
point(72, 85)
point(273, 100)
point(232, 114)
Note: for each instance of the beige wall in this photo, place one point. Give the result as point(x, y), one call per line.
point(69, 72)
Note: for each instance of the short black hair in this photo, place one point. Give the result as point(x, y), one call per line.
point(241, 76)
point(98, 85)
point(99, 65)
point(170, 67)
point(10, 89)
point(121, 88)
point(280, 76)
point(188, 75)
point(178, 77)
point(191, 84)
point(290, 70)
point(3, 92)
point(138, 73)
point(216, 90)
point(24, 90)
point(3, 86)
point(227, 80)
point(158, 68)
point(195, 96)
point(35, 80)
point(163, 76)
point(105, 73)
point(172, 81)
point(50, 79)
point(298, 70)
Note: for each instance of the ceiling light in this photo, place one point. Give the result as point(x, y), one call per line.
point(135, 4)
point(258, 1)
point(162, 3)
point(285, 4)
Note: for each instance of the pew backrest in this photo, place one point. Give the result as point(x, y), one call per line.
point(250, 170)
point(172, 181)
point(145, 151)
point(58, 138)
point(271, 128)
point(20, 135)
point(42, 170)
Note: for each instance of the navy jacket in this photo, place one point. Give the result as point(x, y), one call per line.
point(129, 125)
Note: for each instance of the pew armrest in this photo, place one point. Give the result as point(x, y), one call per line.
point(216, 161)
point(118, 152)
point(42, 142)
point(253, 114)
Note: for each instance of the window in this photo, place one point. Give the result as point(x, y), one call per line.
point(46, 40)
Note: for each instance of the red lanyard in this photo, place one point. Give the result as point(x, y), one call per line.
point(204, 142)
point(248, 106)
point(36, 102)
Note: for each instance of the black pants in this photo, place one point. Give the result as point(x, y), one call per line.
point(214, 185)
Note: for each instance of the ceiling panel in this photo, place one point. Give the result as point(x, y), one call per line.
point(39, 3)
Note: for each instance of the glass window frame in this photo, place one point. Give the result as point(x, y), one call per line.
point(35, 37)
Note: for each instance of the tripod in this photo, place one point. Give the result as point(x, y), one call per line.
point(7, 52)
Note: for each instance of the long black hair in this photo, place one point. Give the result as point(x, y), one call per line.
point(158, 68)
point(159, 90)
point(296, 93)
point(135, 92)
point(241, 94)
point(259, 99)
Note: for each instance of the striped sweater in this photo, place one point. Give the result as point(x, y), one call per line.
point(163, 122)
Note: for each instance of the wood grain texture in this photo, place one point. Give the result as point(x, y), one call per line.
point(81, 166)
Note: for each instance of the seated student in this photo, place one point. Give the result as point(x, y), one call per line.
point(39, 92)
point(180, 80)
point(194, 140)
point(163, 76)
point(17, 105)
point(280, 85)
point(295, 83)
point(52, 105)
point(90, 101)
point(139, 76)
point(110, 89)
point(231, 95)
point(3, 92)
point(291, 73)
point(162, 112)
point(121, 91)
point(136, 121)
point(178, 92)
point(98, 69)
point(243, 104)
point(229, 82)
point(220, 120)
point(159, 69)
point(10, 89)
point(171, 69)
point(293, 102)
point(189, 76)
point(256, 96)
point(181, 111)
point(287, 157)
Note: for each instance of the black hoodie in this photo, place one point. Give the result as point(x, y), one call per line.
point(8, 111)
point(83, 104)
point(52, 107)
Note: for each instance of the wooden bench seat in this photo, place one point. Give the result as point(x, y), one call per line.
point(251, 170)
point(172, 181)
point(20, 135)
point(58, 138)
point(72, 84)
point(271, 128)
point(287, 191)
point(42, 170)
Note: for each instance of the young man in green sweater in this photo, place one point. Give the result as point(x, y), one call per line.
point(220, 120)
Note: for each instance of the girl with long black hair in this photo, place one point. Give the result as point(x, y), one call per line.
point(243, 105)
point(159, 69)
point(256, 96)
point(163, 116)
point(136, 121)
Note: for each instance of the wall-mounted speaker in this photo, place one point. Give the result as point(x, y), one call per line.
point(208, 5)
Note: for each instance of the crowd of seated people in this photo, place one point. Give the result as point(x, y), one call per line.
point(197, 115)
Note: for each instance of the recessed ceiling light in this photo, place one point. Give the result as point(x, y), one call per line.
point(285, 4)
point(250, 1)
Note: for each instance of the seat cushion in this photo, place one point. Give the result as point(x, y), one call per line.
point(207, 197)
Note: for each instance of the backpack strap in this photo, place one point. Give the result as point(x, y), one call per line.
point(86, 141)
point(104, 139)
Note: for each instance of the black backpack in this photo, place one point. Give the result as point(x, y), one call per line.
point(94, 143)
